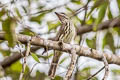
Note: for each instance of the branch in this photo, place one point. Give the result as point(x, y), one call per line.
point(51, 9)
point(83, 29)
point(104, 25)
point(13, 58)
point(106, 68)
point(24, 62)
point(81, 51)
point(72, 65)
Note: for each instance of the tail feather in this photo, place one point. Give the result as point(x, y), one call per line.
point(54, 64)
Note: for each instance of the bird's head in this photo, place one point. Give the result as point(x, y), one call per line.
point(62, 17)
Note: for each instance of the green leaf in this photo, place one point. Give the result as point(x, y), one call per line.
point(5, 52)
point(29, 2)
point(27, 31)
point(18, 13)
point(108, 40)
point(76, 1)
point(118, 2)
point(27, 70)
point(91, 20)
point(116, 71)
point(87, 68)
point(17, 67)
point(109, 13)
point(52, 25)
point(40, 7)
point(97, 3)
point(84, 73)
point(39, 76)
point(91, 43)
point(63, 60)
point(2, 12)
point(69, 9)
point(117, 29)
point(37, 18)
point(58, 78)
point(35, 57)
point(101, 14)
point(45, 57)
point(8, 26)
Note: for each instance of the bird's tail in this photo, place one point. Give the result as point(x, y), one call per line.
point(54, 64)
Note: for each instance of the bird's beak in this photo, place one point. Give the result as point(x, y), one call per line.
point(59, 16)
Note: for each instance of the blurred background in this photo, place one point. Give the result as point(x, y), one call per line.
point(37, 18)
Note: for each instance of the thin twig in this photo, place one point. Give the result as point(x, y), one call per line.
point(72, 65)
point(80, 41)
point(95, 73)
point(106, 68)
point(48, 10)
point(18, 20)
point(24, 64)
point(86, 8)
point(77, 12)
point(80, 10)
point(27, 76)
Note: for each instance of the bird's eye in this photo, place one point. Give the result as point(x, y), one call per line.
point(63, 13)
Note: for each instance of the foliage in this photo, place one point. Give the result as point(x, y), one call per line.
point(91, 43)
point(35, 57)
point(8, 26)
point(16, 15)
point(108, 40)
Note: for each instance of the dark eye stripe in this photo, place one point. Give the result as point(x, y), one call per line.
point(63, 13)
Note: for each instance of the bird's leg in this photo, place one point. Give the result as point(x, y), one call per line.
point(45, 50)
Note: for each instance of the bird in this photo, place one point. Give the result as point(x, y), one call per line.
point(65, 34)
